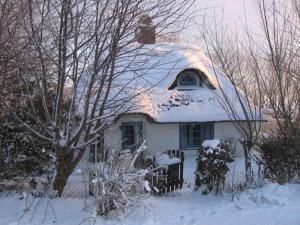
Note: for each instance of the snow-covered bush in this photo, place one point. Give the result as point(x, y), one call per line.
point(280, 159)
point(117, 183)
point(212, 165)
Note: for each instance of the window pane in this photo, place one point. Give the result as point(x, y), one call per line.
point(188, 78)
point(129, 135)
point(186, 135)
point(196, 135)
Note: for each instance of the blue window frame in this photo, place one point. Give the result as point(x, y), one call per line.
point(132, 135)
point(191, 135)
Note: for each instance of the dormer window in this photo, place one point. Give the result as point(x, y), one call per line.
point(188, 79)
point(191, 79)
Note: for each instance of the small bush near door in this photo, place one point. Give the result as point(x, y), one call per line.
point(212, 165)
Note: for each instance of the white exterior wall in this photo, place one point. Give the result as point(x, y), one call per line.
point(162, 137)
point(227, 131)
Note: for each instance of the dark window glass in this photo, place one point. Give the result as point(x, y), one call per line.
point(196, 135)
point(186, 135)
point(129, 135)
point(187, 79)
point(132, 135)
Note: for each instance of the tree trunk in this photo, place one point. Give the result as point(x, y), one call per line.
point(63, 171)
point(65, 165)
point(64, 168)
point(248, 169)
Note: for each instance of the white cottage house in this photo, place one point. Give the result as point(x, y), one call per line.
point(180, 107)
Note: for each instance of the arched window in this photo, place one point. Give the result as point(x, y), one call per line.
point(188, 78)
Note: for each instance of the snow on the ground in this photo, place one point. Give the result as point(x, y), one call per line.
point(272, 204)
point(66, 211)
point(189, 169)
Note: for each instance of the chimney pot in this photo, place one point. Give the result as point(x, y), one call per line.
point(145, 31)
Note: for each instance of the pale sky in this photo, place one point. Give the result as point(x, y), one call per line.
point(233, 9)
point(233, 12)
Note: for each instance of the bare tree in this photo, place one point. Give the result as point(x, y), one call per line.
point(276, 57)
point(7, 36)
point(263, 66)
point(81, 54)
point(242, 102)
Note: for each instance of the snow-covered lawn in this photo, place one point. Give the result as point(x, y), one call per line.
point(270, 205)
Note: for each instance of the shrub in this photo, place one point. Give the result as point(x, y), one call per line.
point(20, 152)
point(280, 159)
point(212, 165)
point(117, 183)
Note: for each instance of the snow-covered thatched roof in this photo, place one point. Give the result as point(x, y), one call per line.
point(156, 70)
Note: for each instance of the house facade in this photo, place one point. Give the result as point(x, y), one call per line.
point(130, 130)
point(180, 102)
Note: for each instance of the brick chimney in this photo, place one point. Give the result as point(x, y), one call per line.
point(145, 31)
